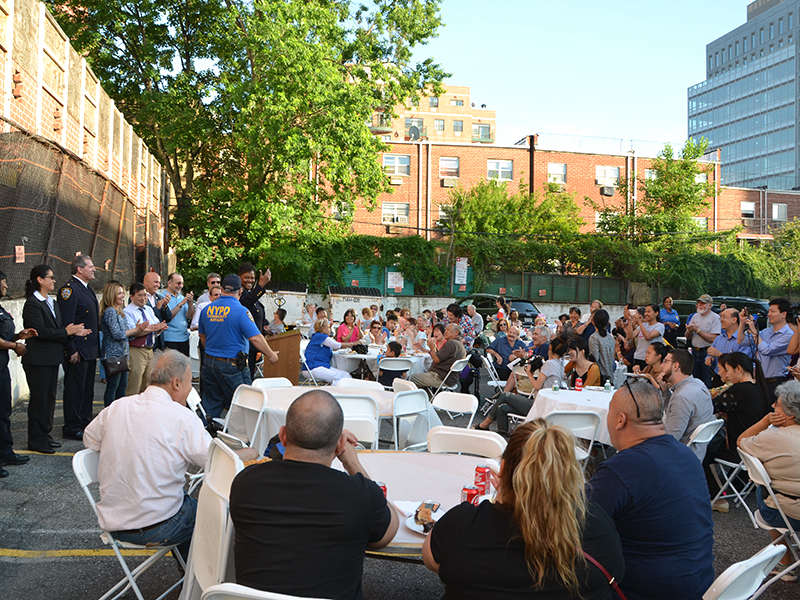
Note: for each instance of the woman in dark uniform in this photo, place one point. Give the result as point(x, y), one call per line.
point(8, 341)
point(45, 353)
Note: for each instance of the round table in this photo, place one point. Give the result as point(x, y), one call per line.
point(347, 360)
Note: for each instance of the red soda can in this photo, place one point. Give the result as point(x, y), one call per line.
point(469, 493)
point(579, 385)
point(382, 485)
point(482, 481)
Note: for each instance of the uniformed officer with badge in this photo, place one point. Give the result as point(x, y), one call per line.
point(8, 341)
point(225, 328)
point(78, 305)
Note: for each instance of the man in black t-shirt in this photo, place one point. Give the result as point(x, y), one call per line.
point(301, 526)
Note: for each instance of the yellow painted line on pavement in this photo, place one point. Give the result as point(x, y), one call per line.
point(79, 552)
point(41, 454)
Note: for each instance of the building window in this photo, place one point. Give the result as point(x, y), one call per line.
point(438, 124)
point(397, 164)
point(650, 174)
point(557, 172)
point(780, 26)
point(394, 212)
point(737, 49)
point(729, 52)
point(386, 138)
point(744, 45)
point(702, 222)
point(710, 62)
point(444, 213)
point(771, 30)
point(606, 175)
point(753, 41)
point(780, 43)
point(433, 102)
point(761, 36)
point(716, 59)
point(481, 132)
point(456, 103)
point(701, 178)
point(448, 166)
point(748, 210)
point(779, 212)
point(502, 170)
point(791, 21)
point(458, 126)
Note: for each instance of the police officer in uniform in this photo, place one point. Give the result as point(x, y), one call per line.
point(78, 305)
point(225, 328)
point(250, 295)
point(8, 341)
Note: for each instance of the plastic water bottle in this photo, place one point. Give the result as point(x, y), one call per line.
point(607, 386)
point(579, 385)
point(556, 386)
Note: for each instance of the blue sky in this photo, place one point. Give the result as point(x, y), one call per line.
point(612, 68)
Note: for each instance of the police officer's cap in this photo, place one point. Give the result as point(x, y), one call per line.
point(231, 283)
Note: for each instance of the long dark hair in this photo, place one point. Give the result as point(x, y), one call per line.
point(752, 366)
point(600, 321)
point(580, 344)
point(32, 285)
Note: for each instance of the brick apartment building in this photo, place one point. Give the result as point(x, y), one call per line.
point(422, 175)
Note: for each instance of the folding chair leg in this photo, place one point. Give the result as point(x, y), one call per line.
point(773, 579)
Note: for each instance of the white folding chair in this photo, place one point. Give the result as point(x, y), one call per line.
point(582, 424)
point(305, 371)
point(266, 383)
point(493, 376)
point(194, 402)
point(234, 591)
point(361, 416)
point(704, 433)
point(398, 365)
point(760, 477)
point(456, 368)
point(406, 404)
point(458, 403)
point(452, 440)
point(258, 372)
point(84, 465)
point(247, 417)
point(729, 472)
point(742, 579)
point(304, 329)
point(213, 530)
point(360, 383)
point(401, 385)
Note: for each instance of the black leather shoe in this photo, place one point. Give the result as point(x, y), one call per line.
point(73, 436)
point(54, 444)
point(47, 450)
point(3, 473)
point(14, 460)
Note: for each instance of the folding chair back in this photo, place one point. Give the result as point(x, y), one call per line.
point(402, 385)
point(246, 417)
point(266, 383)
point(456, 368)
point(305, 370)
point(410, 402)
point(582, 424)
point(493, 376)
point(742, 579)
point(234, 591)
point(455, 402)
point(451, 440)
point(222, 465)
point(304, 329)
point(396, 364)
point(705, 433)
point(85, 467)
point(360, 383)
point(361, 416)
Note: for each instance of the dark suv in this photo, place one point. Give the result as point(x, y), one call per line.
point(486, 306)
point(757, 308)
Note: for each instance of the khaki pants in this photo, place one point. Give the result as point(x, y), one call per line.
point(427, 380)
point(137, 378)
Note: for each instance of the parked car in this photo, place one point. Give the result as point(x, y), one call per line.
point(486, 305)
point(758, 308)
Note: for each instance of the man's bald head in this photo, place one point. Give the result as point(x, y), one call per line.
point(314, 422)
point(635, 414)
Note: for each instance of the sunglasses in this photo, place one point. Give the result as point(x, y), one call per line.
point(630, 391)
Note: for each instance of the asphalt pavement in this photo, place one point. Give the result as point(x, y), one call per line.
point(50, 547)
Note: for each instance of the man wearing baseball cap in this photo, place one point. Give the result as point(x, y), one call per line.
point(700, 334)
point(226, 331)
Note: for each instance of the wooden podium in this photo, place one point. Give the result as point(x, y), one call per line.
point(287, 345)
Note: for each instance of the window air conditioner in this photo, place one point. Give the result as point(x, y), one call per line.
point(607, 190)
point(449, 182)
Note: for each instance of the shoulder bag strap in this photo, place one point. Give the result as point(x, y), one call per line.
point(612, 581)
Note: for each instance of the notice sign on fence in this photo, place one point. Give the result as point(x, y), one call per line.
point(461, 271)
point(502, 291)
point(462, 288)
point(19, 253)
point(354, 283)
point(543, 292)
point(395, 281)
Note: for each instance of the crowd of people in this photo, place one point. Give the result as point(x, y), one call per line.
point(643, 519)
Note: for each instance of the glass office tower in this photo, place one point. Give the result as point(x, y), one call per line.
point(747, 106)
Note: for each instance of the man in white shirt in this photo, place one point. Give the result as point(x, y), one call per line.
point(213, 279)
point(477, 319)
point(701, 333)
point(146, 442)
point(141, 347)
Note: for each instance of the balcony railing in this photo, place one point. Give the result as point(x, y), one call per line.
point(380, 124)
point(482, 138)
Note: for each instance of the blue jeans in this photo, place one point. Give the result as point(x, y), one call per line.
point(177, 529)
point(220, 380)
point(115, 387)
point(771, 515)
point(701, 370)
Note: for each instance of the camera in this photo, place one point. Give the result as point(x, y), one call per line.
point(534, 361)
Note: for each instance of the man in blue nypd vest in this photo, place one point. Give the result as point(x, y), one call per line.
point(226, 331)
point(78, 303)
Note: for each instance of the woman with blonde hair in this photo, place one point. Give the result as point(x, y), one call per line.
point(540, 536)
point(319, 353)
point(115, 338)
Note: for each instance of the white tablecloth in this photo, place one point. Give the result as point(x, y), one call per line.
point(279, 400)
point(418, 476)
point(346, 360)
point(597, 401)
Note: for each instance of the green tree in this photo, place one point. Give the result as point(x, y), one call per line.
point(258, 110)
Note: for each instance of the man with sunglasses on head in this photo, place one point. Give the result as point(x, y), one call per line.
point(212, 280)
point(655, 491)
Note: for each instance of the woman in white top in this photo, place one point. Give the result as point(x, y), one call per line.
point(414, 339)
point(375, 335)
point(514, 320)
point(645, 330)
